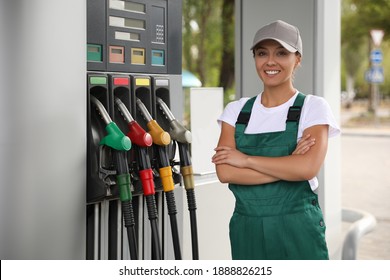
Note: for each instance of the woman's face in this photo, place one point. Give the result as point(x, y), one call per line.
point(274, 64)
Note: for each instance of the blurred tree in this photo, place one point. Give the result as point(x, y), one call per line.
point(208, 41)
point(358, 18)
point(352, 47)
point(226, 75)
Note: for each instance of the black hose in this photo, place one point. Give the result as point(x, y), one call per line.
point(186, 170)
point(162, 153)
point(194, 231)
point(121, 163)
point(143, 158)
point(170, 197)
point(128, 218)
point(184, 154)
point(123, 181)
point(168, 187)
point(152, 215)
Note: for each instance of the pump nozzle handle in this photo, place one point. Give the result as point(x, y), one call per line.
point(164, 107)
point(115, 137)
point(160, 137)
point(123, 109)
point(177, 131)
point(105, 116)
point(144, 111)
point(136, 133)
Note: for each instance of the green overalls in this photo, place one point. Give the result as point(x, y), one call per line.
point(280, 220)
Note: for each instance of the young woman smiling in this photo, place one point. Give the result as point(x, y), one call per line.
point(270, 150)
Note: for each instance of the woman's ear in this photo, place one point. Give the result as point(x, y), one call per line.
point(298, 59)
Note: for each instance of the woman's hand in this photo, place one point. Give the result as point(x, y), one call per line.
point(233, 157)
point(228, 155)
point(304, 145)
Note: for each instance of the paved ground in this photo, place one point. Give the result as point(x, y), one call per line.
point(366, 183)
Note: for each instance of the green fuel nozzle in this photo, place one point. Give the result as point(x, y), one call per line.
point(115, 137)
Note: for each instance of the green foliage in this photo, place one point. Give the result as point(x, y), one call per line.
point(206, 47)
point(202, 44)
point(358, 18)
point(208, 41)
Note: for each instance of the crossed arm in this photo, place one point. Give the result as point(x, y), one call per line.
point(232, 166)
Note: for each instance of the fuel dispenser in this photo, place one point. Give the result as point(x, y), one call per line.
point(183, 138)
point(133, 50)
point(162, 139)
point(120, 143)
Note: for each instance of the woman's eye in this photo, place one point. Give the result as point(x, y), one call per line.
point(282, 53)
point(261, 53)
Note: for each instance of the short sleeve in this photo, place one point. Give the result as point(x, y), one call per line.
point(231, 112)
point(316, 111)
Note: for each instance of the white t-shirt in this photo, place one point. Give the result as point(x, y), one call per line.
point(315, 111)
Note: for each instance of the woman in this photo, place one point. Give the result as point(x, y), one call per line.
point(273, 179)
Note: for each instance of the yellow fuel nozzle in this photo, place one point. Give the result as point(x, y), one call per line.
point(160, 137)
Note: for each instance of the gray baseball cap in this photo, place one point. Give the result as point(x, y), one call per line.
point(286, 34)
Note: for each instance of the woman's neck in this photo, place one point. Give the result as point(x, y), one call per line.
point(275, 96)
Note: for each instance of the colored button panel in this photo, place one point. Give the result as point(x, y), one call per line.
point(117, 54)
point(94, 53)
point(98, 80)
point(138, 56)
point(158, 57)
point(121, 81)
point(142, 82)
point(162, 82)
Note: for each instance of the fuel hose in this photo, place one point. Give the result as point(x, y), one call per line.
point(162, 139)
point(120, 143)
point(123, 182)
point(183, 137)
point(142, 140)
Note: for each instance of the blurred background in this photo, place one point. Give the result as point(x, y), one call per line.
point(208, 47)
point(43, 111)
point(208, 53)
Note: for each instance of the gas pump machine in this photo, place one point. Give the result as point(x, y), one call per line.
point(133, 51)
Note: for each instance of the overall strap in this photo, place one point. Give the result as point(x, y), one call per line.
point(245, 115)
point(294, 112)
point(293, 116)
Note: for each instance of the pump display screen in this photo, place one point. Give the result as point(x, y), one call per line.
point(141, 53)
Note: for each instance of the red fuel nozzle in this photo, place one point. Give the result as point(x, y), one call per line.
point(138, 135)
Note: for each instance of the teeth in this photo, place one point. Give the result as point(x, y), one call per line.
point(272, 72)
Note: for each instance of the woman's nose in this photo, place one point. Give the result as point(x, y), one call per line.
point(271, 61)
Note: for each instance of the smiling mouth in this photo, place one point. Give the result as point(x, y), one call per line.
point(272, 72)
